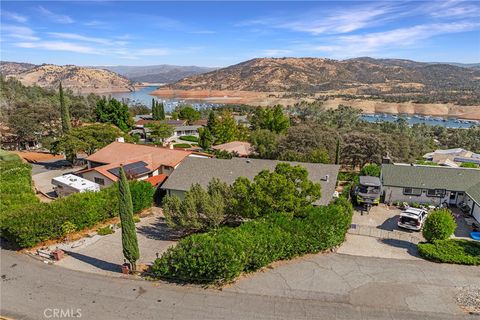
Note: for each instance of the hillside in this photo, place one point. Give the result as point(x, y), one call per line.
point(157, 74)
point(311, 75)
point(78, 79)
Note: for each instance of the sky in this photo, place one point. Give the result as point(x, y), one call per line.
point(223, 33)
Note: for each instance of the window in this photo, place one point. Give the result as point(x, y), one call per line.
point(436, 193)
point(412, 191)
point(100, 181)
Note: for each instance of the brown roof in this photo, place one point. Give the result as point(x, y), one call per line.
point(143, 122)
point(242, 148)
point(156, 180)
point(200, 122)
point(121, 152)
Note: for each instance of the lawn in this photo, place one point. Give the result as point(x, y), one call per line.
point(451, 251)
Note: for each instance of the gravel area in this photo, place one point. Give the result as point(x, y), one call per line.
point(469, 299)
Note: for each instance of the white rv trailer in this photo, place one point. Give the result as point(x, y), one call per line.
point(70, 183)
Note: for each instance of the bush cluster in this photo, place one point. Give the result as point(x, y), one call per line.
point(189, 138)
point(182, 145)
point(439, 225)
point(451, 251)
point(221, 255)
point(15, 183)
point(32, 224)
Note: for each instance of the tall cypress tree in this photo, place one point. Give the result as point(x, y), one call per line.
point(161, 111)
point(64, 111)
point(337, 152)
point(129, 235)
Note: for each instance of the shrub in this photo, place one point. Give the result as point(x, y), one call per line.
point(451, 251)
point(15, 183)
point(372, 170)
point(182, 145)
point(469, 165)
point(189, 138)
point(439, 225)
point(30, 225)
point(223, 254)
point(105, 231)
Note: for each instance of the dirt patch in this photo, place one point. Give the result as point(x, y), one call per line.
point(32, 156)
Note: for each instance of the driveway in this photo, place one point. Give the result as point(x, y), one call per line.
point(329, 286)
point(376, 235)
point(42, 174)
point(103, 254)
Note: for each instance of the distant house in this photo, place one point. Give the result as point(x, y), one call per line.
point(242, 148)
point(139, 161)
point(432, 184)
point(198, 170)
point(452, 157)
point(180, 131)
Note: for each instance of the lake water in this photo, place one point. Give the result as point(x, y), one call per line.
point(142, 95)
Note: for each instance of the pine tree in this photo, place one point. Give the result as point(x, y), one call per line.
point(153, 107)
point(64, 111)
point(337, 152)
point(129, 235)
point(212, 121)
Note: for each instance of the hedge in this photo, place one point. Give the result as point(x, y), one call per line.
point(189, 138)
point(35, 223)
point(182, 145)
point(457, 251)
point(222, 255)
point(15, 183)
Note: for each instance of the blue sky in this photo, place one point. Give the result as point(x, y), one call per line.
point(225, 33)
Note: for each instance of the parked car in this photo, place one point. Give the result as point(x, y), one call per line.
point(412, 219)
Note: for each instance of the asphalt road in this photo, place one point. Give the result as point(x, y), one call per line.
point(31, 289)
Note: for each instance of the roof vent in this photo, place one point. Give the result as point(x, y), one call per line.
point(324, 178)
point(248, 161)
point(120, 139)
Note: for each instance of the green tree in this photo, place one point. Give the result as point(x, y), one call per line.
point(188, 113)
point(114, 112)
point(212, 120)
point(439, 225)
point(286, 190)
point(270, 118)
point(87, 139)
point(138, 109)
point(200, 209)
point(160, 131)
point(205, 138)
point(161, 111)
point(337, 152)
point(360, 148)
point(225, 129)
point(265, 143)
point(372, 170)
point(129, 235)
point(64, 111)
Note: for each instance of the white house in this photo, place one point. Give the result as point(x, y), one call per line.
point(69, 183)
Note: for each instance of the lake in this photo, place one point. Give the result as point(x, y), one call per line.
point(142, 95)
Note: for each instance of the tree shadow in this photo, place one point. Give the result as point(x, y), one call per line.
point(402, 244)
point(101, 264)
point(55, 165)
point(159, 230)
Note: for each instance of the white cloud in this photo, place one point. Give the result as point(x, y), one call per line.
point(354, 45)
point(74, 36)
point(59, 18)
point(275, 52)
point(14, 16)
point(58, 46)
point(19, 32)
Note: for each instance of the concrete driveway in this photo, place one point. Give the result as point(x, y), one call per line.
point(376, 234)
point(103, 254)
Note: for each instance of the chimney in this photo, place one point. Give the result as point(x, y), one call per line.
point(170, 146)
point(120, 139)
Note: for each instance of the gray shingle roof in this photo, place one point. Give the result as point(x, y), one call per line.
point(197, 170)
point(433, 177)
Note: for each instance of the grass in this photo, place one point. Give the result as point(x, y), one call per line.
point(105, 231)
point(189, 138)
point(182, 145)
point(451, 251)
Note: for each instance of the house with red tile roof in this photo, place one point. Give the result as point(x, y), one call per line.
point(140, 162)
point(242, 148)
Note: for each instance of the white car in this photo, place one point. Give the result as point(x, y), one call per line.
point(412, 219)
